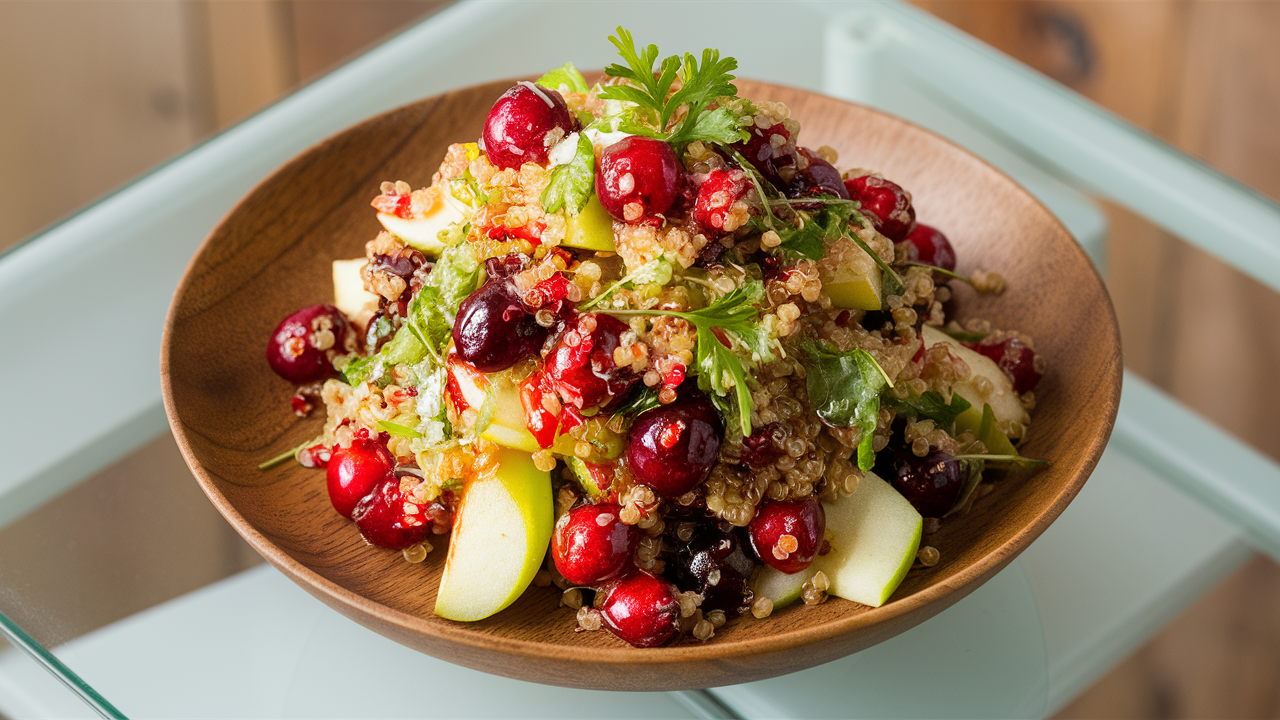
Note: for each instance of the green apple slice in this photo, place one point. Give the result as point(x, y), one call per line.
point(855, 282)
point(1001, 397)
point(782, 589)
point(591, 229)
point(508, 427)
point(349, 294)
point(423, 231)
point(499, 539)
point(874, 535)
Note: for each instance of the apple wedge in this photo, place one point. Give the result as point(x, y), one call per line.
point(1001, 397)
point(591, 229)
point(423, 231)
point(349, 295)
point(499, 539)
point(469, 388)
point(850, 277)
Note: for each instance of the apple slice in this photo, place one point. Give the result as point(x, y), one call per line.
point(423, 231)
point(591, 229)
point(1001, 397)
point(499, 539)
point(874, 535)
point(853, 280)
point(782, 589)
point(349, 295)
point(469, 388)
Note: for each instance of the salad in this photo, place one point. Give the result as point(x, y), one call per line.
point(638, 344)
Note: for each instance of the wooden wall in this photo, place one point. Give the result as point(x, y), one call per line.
point(96, 93)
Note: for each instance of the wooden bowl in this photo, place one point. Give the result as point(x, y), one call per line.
point(271, 256)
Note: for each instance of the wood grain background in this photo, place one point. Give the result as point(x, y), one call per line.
point(122, 86)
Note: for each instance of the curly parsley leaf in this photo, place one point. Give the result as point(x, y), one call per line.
point(566, 76)
point(572, 183)
point(719, 371)
point(844, 390)
point(929, 405)
point(701, 84)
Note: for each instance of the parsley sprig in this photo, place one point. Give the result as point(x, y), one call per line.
point(701, 84)
point(720, 369)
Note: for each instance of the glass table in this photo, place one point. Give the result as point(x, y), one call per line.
point(1156, 526)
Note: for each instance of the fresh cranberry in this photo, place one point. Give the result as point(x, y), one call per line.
point(353, 472)
point(524, 124)
point(787, 535)
point(494, 329)
point(759, 449)
point(819, 177)
point(672, 448)
point(713, 563)
point(716, 196)
point(1015, 358)
point(931, 247)
point(591, 544)
point(581, 365)
point(932, 483)
point(641, 609)
point(885, 203)
point(302, 347)
point(638, 177)
point(542, 423)
point(760, 151)
point(389, 518)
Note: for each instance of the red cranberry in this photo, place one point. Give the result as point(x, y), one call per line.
point(672, 448)
point(761, 152)
point(638, 177)
point(716, 196)
point(788, 534)
point(1016, 359)
point(591, 544)
point(641, 609)
point(494, 329)
point(932, 483)
point(389, 518)
point(885, 203)
point(713, 563)
point(931, 247)
point(581, 365)
point(819, 177)
point(759, 449)
point(301, 348)
point(353, 472)
point(524, 124)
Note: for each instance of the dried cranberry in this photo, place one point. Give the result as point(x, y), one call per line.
point(930, 247)
point(1015, 358)
point(716, 197)
point(353, 471)
point(818, 177)
point(932, 483)
point(672, 448)
point(638, 177)
point(524, 124)
point(494, 329)
point(303, 345)
point(592, 544)
point(787, 535)
point(885, 203)
point(581, 366)
point(713, 563)
point(390, 518)
point(641, 609)
point(759, 449)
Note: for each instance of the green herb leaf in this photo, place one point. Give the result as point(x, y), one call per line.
point(930, 405)
point(844, 390)
point(718, 126)
point(399, 430)
point(1014, 460)
point(570, 185)
point(645, 399)
point(566, 75)
point(719, 371)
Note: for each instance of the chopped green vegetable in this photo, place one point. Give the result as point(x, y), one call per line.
point(566, 75)
point(570, 185)
point(399, 430)
point(844, 390)
point(929, 405)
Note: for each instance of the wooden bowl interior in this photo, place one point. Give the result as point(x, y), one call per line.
point(272, 255)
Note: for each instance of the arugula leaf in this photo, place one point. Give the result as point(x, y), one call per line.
point(571, 184)
point(700, 85)
point(566, 75)
point(929, 405)
point(844, 390)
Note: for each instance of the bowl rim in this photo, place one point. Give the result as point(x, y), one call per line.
point(939, 595)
